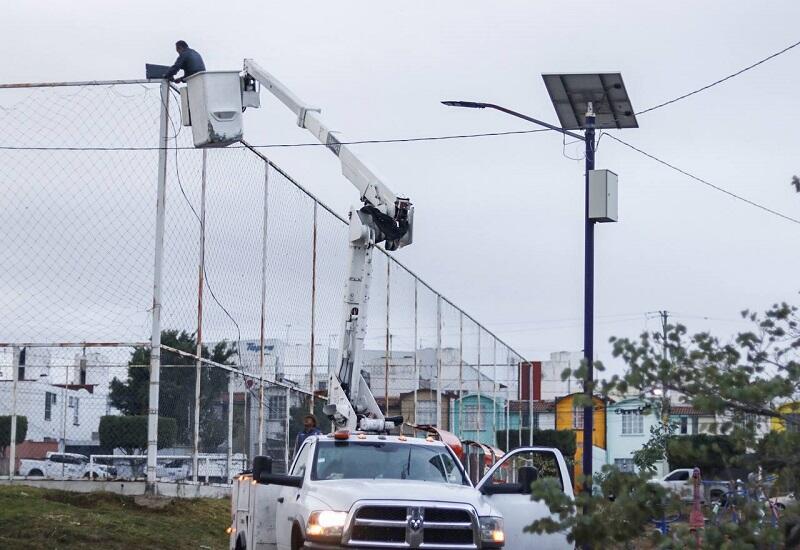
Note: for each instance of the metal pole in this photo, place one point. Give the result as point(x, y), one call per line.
point(262, 335)
point(313, 307)
point(388, 337)
point(439, 361)
point(460, 373)
point(12, 457)
point(230, 425)
point(416, 347)
point(530, 403)
point(494, 392)
point(478, 423)
point(198, 370)
point(155, 336)
point(286, 428)
point(588, 309)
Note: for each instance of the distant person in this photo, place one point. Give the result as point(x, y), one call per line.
point(188, 60)
point(309, 428)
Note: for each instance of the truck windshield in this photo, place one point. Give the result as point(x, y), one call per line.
point(385, 460)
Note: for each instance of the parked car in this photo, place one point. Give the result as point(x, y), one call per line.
point(65, 466)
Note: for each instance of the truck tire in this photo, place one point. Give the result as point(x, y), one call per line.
point(297, 538)
point(36, 472)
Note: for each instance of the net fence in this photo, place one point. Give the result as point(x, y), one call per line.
point(252, 283)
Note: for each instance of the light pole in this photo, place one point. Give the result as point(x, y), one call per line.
point(587, 102)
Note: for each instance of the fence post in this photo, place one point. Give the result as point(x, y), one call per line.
point(416, 347)
point(155, 337)
point(12, 457)
point(438, 361)
point(313, 307)
point(230, 425)
point(288, 423)
point(460, 374)
point(387, 351)
point(198, 371)
point(494, 391)
point(261, 365)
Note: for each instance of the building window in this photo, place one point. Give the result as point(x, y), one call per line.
point(276, 407)
point(73, 403)
point(49, 401)
point(577, 418)
point(470, 415)
point(684, 427)
point(624, 464)
point(426, 412)
point(695, 425)
point(632, 423)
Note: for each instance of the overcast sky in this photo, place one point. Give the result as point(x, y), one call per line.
point(499, 226)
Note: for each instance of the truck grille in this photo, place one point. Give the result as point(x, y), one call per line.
point(413, 525)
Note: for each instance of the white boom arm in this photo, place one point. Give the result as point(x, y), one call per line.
point(383, 218)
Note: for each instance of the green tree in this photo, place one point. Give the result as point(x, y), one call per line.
point(129, 433)
point(739, 380)
point(177, 387)
point(5, 432)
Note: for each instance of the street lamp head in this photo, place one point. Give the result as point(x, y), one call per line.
point(469, 104)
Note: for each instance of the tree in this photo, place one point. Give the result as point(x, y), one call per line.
point(5, 432)
point(177, 387)
point(740, 381)
point(129, 433)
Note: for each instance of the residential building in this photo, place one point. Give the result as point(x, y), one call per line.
point(628, 425)
point(569, 416)
point(552, 385)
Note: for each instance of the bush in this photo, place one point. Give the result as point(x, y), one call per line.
point(130, 432)
point(715, 455)
point(5, 431)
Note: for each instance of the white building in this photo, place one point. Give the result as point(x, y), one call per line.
point(553, 386)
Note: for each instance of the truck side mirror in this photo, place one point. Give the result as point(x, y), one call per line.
point(280, 479)
point(527, 475)
point(261, 465)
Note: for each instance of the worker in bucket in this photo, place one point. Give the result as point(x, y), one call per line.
point(309, 428)
point(188, 60)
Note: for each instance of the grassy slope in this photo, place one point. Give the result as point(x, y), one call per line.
point(38, 518)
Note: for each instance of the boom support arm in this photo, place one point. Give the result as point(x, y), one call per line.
point(384, 217)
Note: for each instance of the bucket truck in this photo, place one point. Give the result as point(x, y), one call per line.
point(360, 487)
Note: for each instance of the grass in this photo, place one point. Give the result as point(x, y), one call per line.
point(41, 518)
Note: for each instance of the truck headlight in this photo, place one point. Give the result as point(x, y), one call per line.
point(326, 524)
point(492, 534)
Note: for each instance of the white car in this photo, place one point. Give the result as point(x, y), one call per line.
point(363, 490)
point(65, 466)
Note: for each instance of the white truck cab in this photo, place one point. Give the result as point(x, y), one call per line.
point(360, 491)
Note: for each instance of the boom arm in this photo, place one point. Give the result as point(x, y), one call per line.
point(384, 217)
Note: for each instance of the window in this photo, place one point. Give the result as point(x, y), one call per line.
point(684, 428)
point(577, 418)
point(544, 462)
point(528, 418)
point(49, 401)
point(682, 475)
point(426, 412)
point(470, 416)
point(299, 467)
point(792, 423)
point(624, 464)
point(632, 423)
point(276, 407)
point(73, 404)
point(695, 425)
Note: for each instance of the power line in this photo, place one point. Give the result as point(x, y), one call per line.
point(704, 182)
point(720, 81)
point(283, 145)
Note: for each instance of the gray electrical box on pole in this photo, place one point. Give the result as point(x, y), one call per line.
point(603, 196)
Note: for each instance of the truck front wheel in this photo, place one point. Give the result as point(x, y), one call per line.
point(297, 538)
point(35, 473)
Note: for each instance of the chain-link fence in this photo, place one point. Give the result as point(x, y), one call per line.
point(248, 298)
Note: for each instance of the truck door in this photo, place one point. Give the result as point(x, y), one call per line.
point(506, 486)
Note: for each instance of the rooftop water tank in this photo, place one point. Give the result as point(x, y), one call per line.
point(215, 105)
